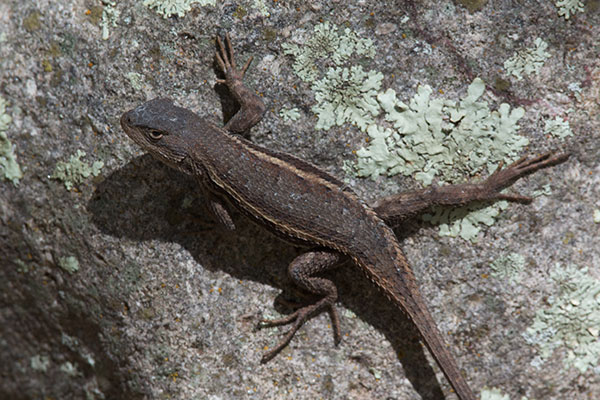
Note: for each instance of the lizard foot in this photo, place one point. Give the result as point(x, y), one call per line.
point(226, 61)
point(297, 319)
point(503, 178)
point(252, 107)
point(302, 270)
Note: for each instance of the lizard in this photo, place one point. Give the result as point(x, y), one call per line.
point(308, 206)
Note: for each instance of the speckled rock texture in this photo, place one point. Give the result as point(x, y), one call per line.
point(116, 284)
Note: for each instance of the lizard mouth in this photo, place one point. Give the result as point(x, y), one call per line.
point(135, 133)
point(126, 123)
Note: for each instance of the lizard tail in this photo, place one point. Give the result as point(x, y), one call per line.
point(439, 350)
point(414, 306)
point(398, 283)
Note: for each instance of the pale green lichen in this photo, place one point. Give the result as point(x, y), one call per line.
point(597, 216)
point(167, 8)
point(187, 201)
point(135, 80)
point(493, 394)
point(39, 363)
point(9, 167)
point(465, 222)
point(69, 264)
point(444, 139)
point(558, 127)
point(440, 138)
point(23, 267)
point(344, 94)
point(428, 138)
point(326, 43)
point(75, 171)
point(571, 323)
point(70, 341)
point(577, 90)
point(289, 114)
point(69, 368)
point(545, 190)
point(566, 8)
point(527, 61)
point(508, 267)
point(109, 17)
point(347, 95)
point(261, 6)
point(375, 372)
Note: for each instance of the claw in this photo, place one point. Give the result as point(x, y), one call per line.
point(226, 60)
point(246, 66)
point(500, 165)
point(230, 50)
point(525, 162)
point(298, 318)
point(502, 178)
point(544, 160)
point(222, 48)
point(220, 61)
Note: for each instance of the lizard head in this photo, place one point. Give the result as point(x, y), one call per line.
point(162, 129)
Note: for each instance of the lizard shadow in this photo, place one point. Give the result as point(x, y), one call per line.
point(145, 200)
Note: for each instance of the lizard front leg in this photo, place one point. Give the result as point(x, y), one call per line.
point(217, 209)
point(302, 271)
point(400, 207)
point(214, 203)
point(252, 107)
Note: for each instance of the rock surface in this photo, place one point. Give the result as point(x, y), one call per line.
point(123, 288)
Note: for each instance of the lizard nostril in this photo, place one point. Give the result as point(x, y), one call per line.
point(126, 119)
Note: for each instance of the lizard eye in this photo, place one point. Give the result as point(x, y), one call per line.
point(154, 134)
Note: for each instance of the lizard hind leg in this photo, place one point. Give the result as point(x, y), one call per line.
point(301, 270)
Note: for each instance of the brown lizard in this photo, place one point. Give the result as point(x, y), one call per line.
point(307, 205)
